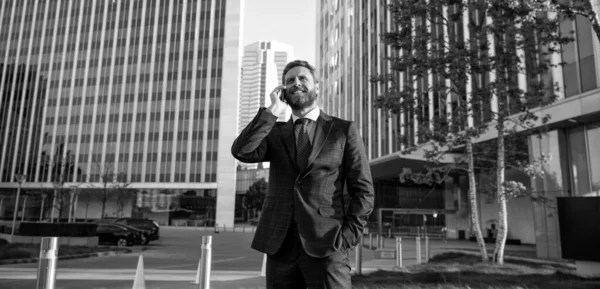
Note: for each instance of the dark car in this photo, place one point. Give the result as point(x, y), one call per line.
point(116, 234)
point(151, 227)
point(143, 238)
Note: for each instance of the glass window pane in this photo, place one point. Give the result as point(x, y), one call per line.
point(571, 81)
point(593, 135)
point(586, 54)
point(578, 163)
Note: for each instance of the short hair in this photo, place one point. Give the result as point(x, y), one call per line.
point(302, 63)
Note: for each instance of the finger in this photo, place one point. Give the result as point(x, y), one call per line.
point(277, 89)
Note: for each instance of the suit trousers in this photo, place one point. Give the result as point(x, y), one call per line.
point(292, 268)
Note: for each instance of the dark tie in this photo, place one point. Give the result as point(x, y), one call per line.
point(303, 147)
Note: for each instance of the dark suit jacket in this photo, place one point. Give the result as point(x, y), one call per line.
point(312, 197)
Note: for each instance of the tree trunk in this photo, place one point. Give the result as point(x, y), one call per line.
point(501, 197)
point(60, 205)
point(103, 204)
point(473, 202)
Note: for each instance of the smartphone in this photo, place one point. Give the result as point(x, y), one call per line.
point(283, 95)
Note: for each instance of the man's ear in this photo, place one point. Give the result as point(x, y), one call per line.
point(317, 88)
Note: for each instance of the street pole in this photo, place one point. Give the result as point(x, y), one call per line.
point(42, 207)
point(57, 185)
point(1, 205)
point(53, 206)
point(24, 208)
point(424, 225)
point(20, 179)
point(71, 195)
point(75, 205)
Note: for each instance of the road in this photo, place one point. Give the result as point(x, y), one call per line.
point(179, 249)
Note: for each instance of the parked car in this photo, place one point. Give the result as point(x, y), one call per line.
point(151, 227)
point(116, 234)
point(144, 238)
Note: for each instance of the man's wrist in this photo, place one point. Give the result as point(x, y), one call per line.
point(276, 109)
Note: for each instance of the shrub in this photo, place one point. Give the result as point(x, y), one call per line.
point(13, 253)
point(58, 229)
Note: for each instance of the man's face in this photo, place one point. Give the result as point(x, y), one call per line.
point(300, 87)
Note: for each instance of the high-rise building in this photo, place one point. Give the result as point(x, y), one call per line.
point(143, 90)
point(350, 51)
point(262, 67)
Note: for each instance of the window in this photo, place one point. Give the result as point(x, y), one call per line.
point(593, 139)
point(579, 70)
point(584, 159)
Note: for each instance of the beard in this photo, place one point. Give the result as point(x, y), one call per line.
point(299, 102)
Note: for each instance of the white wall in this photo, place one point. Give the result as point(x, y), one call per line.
point(520, 211)
point(546, 216)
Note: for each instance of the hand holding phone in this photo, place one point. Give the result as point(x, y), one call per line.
point(278, 100)
point(283, 95)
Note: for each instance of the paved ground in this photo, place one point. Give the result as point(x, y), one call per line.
point(172, 262)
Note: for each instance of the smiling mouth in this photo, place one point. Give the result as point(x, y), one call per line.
point(298, 91)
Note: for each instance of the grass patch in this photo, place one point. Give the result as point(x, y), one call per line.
point(455, 270)
point(20, 251)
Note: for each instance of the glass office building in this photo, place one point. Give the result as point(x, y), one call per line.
point(349, 51)
point(143, 90)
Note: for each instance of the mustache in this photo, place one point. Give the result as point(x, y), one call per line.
point(294, 89)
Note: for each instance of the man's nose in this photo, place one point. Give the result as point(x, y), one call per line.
point(297, 82)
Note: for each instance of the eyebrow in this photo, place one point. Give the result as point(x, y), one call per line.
point(299, 75)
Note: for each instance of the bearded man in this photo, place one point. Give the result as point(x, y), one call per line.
point(306, 226)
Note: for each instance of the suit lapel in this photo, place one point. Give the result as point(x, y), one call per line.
point(289, 139)
point(324, 125)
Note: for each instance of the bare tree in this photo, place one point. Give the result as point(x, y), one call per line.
point(124, 197)
point(112, 184)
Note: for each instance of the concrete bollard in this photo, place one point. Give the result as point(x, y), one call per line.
point(358, 257)
point(398, 252)
point(426, 249)
point(46, 276)
point(203, 274)
point(418, 243)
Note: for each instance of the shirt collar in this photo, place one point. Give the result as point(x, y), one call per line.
point(312, 115)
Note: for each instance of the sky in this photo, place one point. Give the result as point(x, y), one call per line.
point(287, 21)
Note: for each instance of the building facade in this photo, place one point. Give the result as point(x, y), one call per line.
point(349, 52)
point(245, 179)
point(262, 65)
point(141, 93)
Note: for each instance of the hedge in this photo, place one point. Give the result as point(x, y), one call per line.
point(58, 229)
